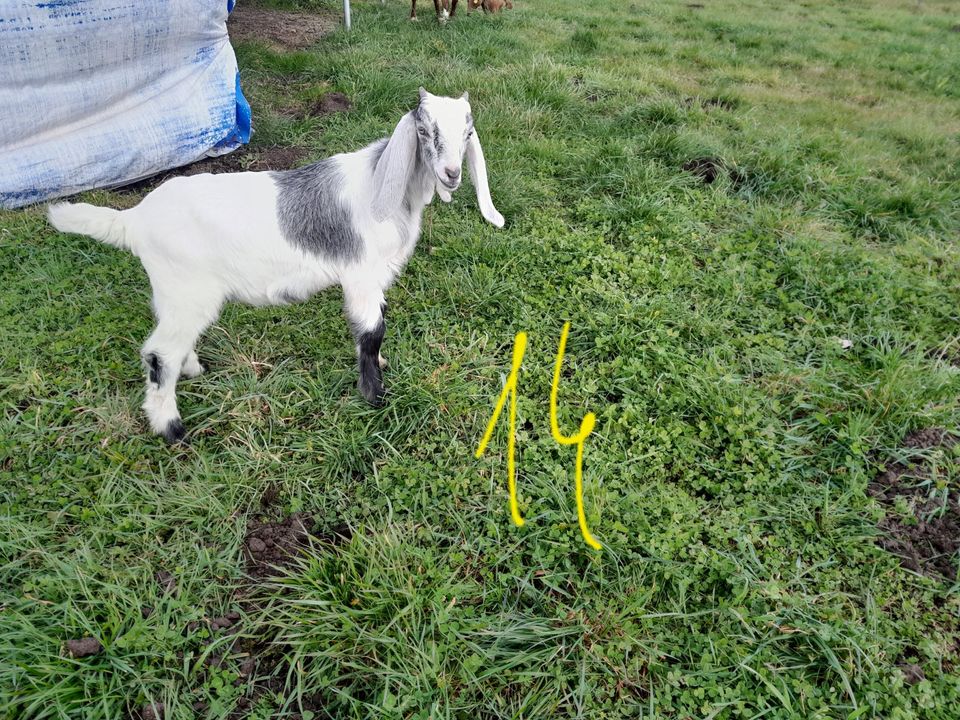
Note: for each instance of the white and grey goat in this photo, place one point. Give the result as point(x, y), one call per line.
point(271, 238)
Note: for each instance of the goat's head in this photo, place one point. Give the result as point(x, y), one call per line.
point(444, 127)
point(440, 130)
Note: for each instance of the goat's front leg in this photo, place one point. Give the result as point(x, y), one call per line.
point(365, 308)
point(413, 9)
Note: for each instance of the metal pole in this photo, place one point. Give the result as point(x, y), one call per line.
point(346, 14)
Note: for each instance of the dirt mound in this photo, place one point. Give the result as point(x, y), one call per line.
point(84, 647)
point(929, 543)
point(166, 581)
point(152, 711)
point(270, 546)
point(331, 103)
point(912, 673)
point(708, 169)
point(278, 28)
point(710, 102)
point(928, 438)
point(718, 102)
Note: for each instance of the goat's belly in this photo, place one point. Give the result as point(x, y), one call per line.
point(276, 285)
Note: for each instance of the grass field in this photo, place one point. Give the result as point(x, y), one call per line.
point(758, 350)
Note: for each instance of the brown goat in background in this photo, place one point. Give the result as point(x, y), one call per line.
point(493, 6)
point(445, 9)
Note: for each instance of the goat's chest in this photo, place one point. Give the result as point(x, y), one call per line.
point(395, 243)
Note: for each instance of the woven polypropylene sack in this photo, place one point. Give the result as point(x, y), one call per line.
point(98, 93)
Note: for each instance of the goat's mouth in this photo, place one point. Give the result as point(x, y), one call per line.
point(449, 185)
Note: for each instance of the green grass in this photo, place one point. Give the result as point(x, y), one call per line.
point(735, 439)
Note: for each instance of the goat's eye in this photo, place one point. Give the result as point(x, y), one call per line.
point(423, 132)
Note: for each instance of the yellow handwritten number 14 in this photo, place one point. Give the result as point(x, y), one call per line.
point(586, 427)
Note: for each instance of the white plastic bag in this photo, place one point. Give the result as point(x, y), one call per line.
point(97, 93)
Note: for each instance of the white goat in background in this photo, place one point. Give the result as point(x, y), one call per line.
point(271, 238)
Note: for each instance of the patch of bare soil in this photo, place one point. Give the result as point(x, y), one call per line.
point(711, 102)
point(722, 103)
point(152, 711)
point(912, 673)
point(269, 548)
point(929, 545)
point(708, 169)
point(333, 102)
point(240, 160)
point(280, 29)
point(167, 581)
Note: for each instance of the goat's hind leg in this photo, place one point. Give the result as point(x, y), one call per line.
point(166, 353)
point(162, 362)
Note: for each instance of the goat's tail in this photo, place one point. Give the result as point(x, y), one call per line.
point(103, 224)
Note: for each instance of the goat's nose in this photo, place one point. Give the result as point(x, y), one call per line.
point(453, 173)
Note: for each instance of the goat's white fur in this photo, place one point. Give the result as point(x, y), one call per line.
point(208, 239)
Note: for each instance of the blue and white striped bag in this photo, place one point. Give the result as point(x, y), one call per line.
point(98, 93)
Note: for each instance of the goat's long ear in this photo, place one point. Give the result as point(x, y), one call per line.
point(392, 173)
point(478, 173)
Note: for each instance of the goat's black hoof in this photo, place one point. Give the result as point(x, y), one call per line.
point(175, 432)
point(373, 391)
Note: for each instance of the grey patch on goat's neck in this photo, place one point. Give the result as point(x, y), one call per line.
point(311, 214)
